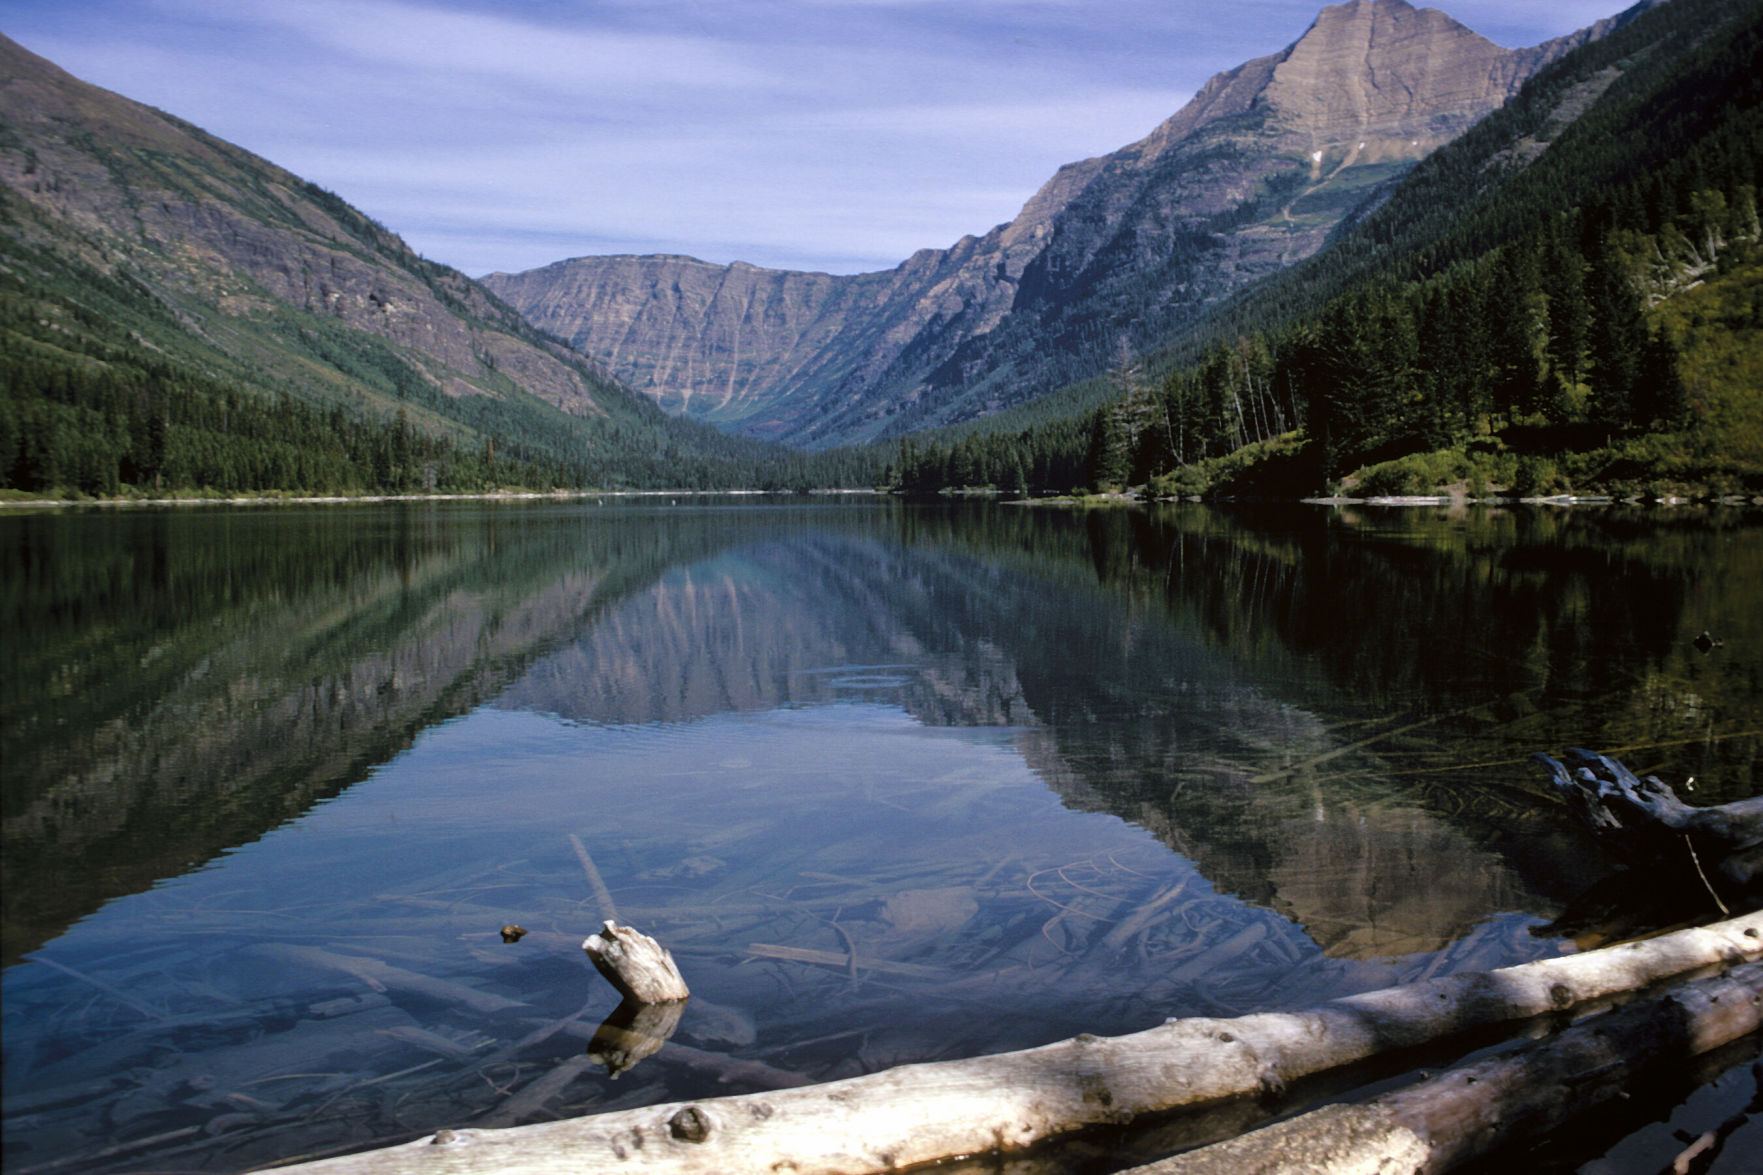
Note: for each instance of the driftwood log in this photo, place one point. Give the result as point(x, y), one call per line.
point(1645, 822)
point(930, 1112)
point(1468, 1111)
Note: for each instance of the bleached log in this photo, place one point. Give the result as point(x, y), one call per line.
point(833, 959)
point(638, 966)
point(929, 1112)
point(1468, 1111)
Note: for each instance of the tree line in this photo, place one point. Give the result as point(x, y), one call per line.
point(104, 430)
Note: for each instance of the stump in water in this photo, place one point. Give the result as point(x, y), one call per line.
point(638, 966)
point(1645, 822)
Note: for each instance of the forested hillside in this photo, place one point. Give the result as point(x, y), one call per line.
point(179, 315)
point(1564, 297)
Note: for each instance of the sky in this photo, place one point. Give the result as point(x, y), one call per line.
point(835, 135)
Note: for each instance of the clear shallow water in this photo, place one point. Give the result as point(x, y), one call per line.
point(895, 784)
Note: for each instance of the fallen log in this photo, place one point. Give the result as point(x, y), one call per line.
point(765, 950)
point(1644, 821)
point(1469, 1111)
point(602, 895)
point(930, 1112)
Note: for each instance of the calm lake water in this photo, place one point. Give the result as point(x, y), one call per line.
point(895, 783)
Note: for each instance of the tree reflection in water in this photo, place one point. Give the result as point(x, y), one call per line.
point(895, 782)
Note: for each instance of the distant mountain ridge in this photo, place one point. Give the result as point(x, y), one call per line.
point(1108, 258)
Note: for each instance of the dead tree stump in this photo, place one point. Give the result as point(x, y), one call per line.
point(1644, 822)
point(639, 967)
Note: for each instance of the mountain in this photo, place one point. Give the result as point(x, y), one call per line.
point(1110, 257)
point(151, 275)
point(1562, 299)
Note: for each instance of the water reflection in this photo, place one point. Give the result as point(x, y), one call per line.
point(178, 683)
point(895, 783)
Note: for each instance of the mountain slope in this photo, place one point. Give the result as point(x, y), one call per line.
point(1563, 298)
point(138, 252)
point(1110, 256)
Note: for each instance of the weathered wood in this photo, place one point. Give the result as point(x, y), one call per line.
point(1644, 821)
point(1124, 930)
point(638, 966)
point(929, 1112)
point(115, 993)
point(1468, 1111)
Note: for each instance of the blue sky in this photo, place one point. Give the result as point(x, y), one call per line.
point(807, 134)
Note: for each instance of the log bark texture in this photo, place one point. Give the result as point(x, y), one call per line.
point(929, 1112)
point(1468, 1111)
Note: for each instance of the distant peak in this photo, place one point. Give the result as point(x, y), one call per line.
point(1371, 13)
point(1357, 9)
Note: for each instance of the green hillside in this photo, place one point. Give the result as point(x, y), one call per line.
point(178, 315)
point(1563, 299)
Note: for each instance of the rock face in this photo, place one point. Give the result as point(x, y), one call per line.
point(1111, 256)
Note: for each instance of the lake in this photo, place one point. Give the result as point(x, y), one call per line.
point(894, 782)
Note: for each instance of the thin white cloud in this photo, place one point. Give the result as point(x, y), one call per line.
point(833, 134)
point(434, 41)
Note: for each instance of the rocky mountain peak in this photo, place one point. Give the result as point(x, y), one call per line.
point(1383, 79)
point(1112, 255)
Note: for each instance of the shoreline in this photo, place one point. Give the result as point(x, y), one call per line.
point(1086, 501)
point(378, 499)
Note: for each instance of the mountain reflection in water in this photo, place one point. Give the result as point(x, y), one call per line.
point(895, 782)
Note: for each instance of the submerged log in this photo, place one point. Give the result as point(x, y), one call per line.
point(930, 1112)
point(1644, 821)
point(382, 976)
point(1469, 1111)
